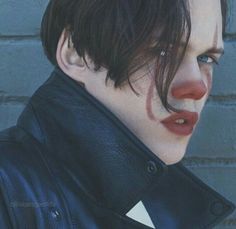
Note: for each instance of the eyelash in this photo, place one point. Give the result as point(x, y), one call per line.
point(214, 61)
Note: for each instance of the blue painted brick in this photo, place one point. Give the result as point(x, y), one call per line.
point(231, 27)
point(21, 17)
point(23, 67)
point(224, 82)
point(215, 135)
point(9, 114)
point(223, 226)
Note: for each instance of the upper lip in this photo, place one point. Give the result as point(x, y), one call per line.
point(189, 118)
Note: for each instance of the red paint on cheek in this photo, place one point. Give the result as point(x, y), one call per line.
point(149, 101)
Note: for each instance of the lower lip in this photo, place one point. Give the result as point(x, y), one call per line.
point(179, 129)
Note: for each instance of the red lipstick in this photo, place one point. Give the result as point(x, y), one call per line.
point(181, 123)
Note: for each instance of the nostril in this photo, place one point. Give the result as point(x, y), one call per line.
point(189, 90)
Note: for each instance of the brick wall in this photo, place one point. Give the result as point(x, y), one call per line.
point(23, 66)
point(212, 151)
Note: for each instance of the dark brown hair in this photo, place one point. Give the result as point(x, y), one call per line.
point(123, 35)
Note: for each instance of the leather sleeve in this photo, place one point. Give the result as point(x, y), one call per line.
point(5, 222)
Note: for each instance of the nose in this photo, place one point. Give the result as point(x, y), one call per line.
point(189, 90)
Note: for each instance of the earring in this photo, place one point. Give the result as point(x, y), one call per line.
point(163, 53)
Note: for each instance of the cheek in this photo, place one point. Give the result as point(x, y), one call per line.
point(209, 82)
point(208, 73)
point(149, 99)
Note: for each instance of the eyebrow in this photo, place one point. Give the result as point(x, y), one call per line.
point(215, 50)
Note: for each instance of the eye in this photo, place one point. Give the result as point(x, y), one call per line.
point(207, 59)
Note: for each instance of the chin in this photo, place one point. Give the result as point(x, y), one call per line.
point(173, 155)
point(172, 161)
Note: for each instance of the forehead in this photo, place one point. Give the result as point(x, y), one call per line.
point(206, 19)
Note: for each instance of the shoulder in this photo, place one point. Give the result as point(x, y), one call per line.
point(29, 191)
point(17, 149)
point(25, 181)
point(21, 159)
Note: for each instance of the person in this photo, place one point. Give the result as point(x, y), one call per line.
point(100, 142)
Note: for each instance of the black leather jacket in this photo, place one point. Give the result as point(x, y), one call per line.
point(70, 163)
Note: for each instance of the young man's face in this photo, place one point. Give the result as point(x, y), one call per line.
point(167, 134)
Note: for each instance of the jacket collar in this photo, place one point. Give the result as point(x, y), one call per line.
point(84, 139)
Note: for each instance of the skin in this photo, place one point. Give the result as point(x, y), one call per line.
point(215, 41)
point(208, 72)
point(149, 99)
point(188, 91)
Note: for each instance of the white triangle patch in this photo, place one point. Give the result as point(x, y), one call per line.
point(140, 214)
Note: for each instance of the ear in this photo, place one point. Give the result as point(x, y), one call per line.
point(68, 59)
